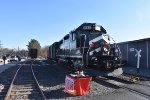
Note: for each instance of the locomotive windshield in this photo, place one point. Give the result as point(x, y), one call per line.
point(93, 35)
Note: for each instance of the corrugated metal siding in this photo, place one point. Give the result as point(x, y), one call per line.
point(123, 49)
point(132, 60)
point(143, 59)
point(128, 52)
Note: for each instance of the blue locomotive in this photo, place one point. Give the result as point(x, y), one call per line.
point(88, 46)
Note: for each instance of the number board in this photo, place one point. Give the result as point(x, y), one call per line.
point(87, 27)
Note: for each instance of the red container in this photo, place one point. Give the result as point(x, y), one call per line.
point(77, 85)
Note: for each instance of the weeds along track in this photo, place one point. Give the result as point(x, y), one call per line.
point(24, 85)
point(136, 77)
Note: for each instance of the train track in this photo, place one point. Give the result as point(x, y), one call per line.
point(24, 85)
point(137, 77)
point(121, 83)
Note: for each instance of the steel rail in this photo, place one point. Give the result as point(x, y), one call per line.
point(38, 84)
point(136, 79)
point(135, 91)
point(11, 85)
point(7, 97)
point(126, 88)
point(137, 75)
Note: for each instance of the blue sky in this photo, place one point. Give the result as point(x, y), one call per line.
point(49, 20)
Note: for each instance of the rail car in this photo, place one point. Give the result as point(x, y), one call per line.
point(88, 46)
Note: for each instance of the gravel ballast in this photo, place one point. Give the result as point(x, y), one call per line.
point(51, 77)
point(52, 82)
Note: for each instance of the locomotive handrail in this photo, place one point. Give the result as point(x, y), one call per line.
point(83, 49)
point(117, 48)
point(87, 55)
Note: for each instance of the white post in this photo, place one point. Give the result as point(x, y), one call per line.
point(138, 59)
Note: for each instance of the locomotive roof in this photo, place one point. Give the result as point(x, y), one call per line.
point(81, 28)
point(87, 26)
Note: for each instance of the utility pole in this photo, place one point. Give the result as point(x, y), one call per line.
point(18, 48)
point(18, 51)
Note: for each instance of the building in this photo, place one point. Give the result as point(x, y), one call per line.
point(128, 50)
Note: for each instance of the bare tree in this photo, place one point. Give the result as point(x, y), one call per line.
point(43, 51)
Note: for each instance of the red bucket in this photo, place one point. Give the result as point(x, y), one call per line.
point(77, 85)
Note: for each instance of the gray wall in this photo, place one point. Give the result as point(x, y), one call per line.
point(132, 60)
point(148, 54)
point(128, 52)
point(123, 49)
point(143, 47)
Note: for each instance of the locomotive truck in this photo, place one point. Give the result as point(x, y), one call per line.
point(88, 46)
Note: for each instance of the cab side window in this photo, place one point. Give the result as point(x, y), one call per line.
point(73, 36)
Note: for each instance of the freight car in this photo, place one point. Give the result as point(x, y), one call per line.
point(88, 46)
point(51, 53)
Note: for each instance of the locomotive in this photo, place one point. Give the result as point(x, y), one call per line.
point(88, 46)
